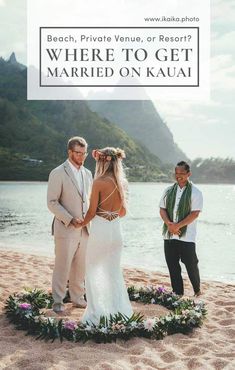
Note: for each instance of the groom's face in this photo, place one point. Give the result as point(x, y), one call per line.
point(77, 155)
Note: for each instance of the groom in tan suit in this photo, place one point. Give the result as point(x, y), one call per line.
point(69, 187)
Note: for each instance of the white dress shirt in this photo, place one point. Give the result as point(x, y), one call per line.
point(78, 176)
point(196, 205)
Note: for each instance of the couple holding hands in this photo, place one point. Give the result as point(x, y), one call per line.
point(91, 252)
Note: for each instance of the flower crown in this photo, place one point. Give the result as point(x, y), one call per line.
point(109, 155)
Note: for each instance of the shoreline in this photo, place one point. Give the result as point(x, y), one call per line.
point(130, 182)
point(126, 267)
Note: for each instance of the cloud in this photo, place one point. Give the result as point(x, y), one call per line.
point(19, 46)
point(201, 130)
point(221, 43)
point(223, 12)
point(223, 72)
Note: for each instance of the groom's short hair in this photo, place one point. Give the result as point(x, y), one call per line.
point(76, 140)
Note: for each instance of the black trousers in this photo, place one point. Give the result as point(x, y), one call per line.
point(176, 251)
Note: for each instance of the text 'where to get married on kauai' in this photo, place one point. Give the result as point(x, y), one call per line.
point(119, 56)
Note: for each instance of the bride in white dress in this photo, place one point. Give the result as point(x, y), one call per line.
point(106, 292)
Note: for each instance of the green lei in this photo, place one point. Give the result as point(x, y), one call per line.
point(184, 208)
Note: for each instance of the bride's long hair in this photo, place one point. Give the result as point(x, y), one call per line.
point(109, 161)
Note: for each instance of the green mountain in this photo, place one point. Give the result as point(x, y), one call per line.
point(142, 122)
point(33, 134)
point(213, 170)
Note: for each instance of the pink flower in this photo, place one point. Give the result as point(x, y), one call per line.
point(149, 324)
point(161, 289)
point(70, 325)
point(25, 306)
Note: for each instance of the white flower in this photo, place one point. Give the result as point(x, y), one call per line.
point(104, 330)
point(43, 319)
point(168, 318)
point(198, 307)
point(152, 300)
point(136, 295)
point(88, 328)
point(200, 304)
point(52, 320)
point(134, 324)
point(149, 324)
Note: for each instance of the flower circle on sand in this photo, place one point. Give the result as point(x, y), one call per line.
point(25, 310)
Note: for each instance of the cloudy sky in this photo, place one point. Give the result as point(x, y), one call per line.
point(208, 129)
point(200, 129)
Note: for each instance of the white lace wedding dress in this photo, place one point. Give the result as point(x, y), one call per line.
point(106, 292)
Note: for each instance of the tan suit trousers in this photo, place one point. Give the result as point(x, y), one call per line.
point(69, 265)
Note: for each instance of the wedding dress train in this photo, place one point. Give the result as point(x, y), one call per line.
point(106, 292)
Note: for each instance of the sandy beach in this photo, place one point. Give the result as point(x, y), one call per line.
point(209, 347)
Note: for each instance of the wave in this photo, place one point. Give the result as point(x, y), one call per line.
point(214, 223)
point(157, 220)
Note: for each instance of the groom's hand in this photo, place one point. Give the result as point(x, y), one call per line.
point(76, 222)
point(79, 222)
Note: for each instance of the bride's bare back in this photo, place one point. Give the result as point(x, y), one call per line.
point(110, 203)
point(105, 199)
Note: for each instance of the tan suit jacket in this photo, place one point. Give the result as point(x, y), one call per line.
point(65, 201)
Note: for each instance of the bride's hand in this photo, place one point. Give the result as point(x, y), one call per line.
point(79, 223)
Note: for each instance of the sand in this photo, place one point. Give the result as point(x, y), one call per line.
point(209, 347)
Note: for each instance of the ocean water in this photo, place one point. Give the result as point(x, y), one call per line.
point(25, 226)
